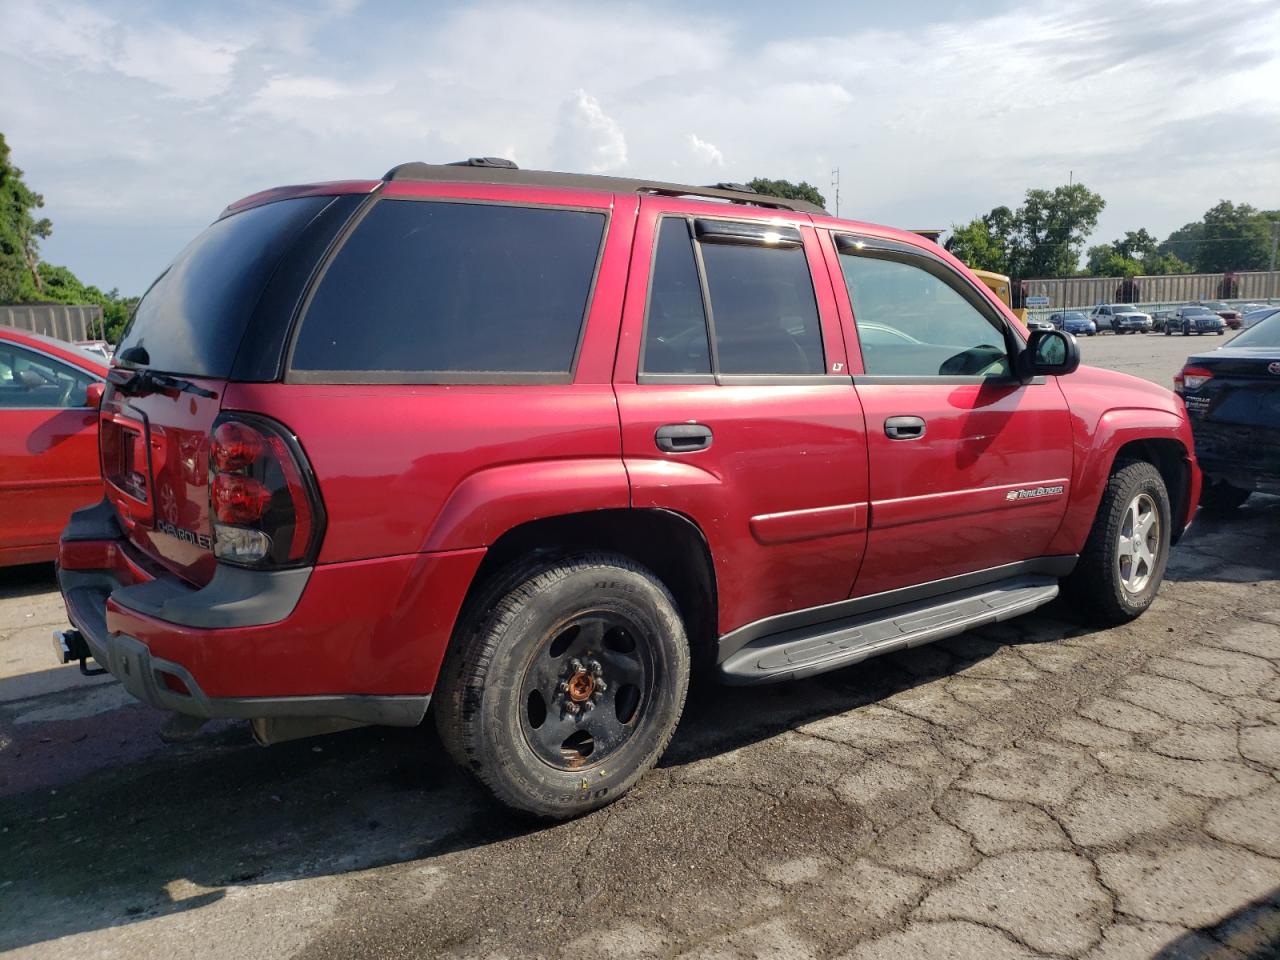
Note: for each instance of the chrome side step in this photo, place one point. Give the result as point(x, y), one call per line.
point(805, 651)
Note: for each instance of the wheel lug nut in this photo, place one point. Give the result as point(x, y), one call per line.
point(594, 667)
point(575, 666)
point(588, 705)
point(562, 686)
point(601, 686)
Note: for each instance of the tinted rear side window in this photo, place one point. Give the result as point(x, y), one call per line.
point(676, 334)
point(428, 291)
point(763, 308)
point(192, 319)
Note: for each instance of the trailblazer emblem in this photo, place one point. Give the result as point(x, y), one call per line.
point(1032, 492)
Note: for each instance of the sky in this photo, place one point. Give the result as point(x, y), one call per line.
point(139, 121)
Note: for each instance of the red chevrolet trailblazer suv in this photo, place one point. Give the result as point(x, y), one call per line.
point(528, 445)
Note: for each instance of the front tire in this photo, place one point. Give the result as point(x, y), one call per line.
point(1123, 561)
point(566, 686)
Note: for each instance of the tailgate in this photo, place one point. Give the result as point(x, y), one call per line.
point(155, 461)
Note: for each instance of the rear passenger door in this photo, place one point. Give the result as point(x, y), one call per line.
point(736, 404)
point(969, 467)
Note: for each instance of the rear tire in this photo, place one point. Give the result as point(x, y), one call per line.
point(565, 687)
point(1222, 497)
point(1123, 561)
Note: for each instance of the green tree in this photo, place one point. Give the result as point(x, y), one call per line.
point(985, 243)
point(1108, 260)
point(1133, 255)
point(1161, 264)
point(788, 190)
point(1236, 237)
point(20, 233)
point(1042, 238)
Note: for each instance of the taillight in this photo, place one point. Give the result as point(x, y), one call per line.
point(264, 504)
point(1191, 378)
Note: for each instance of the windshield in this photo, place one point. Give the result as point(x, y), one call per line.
point(1214, 305)
point(192, 319)
point(1264, 333)
point(1198, 312)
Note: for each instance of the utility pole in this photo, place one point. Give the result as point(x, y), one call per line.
point(835, 183)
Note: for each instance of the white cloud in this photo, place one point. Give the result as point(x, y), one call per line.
point(703, 152)
point(931, 120)
point(587, 139)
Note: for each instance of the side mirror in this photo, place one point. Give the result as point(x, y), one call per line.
point(93, 394)
point(1049, 353)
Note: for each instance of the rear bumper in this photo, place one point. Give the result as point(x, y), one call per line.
point(361, 641)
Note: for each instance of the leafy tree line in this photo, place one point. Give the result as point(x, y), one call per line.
point(24, 277)
point(1045, 237)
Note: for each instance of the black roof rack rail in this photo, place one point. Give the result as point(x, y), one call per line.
point(498, 170)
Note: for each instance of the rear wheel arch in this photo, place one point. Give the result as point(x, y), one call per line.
point(667, 543)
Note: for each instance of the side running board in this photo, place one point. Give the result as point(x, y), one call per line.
point(805, 651)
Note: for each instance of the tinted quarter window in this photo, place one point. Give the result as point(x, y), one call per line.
point(912, 323)
point(425, 291)
point(763, 309)
point(192, 319)
point(675, 338)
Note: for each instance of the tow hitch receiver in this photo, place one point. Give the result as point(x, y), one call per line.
point(69, 645)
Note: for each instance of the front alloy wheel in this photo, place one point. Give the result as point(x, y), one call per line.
point(1123, 560)
point(1139, 544)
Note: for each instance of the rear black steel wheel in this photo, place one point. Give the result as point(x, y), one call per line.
point(565, 684)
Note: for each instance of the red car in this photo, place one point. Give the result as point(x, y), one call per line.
point(49, 393)
point(1233, 317)
point(527, 446)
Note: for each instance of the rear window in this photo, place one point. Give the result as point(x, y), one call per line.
point(192, 319)
point(431, 291)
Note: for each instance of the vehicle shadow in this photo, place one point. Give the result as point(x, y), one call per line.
point(1236, 546)
point(174, 831)
point(1250, 933)
point(27, 581)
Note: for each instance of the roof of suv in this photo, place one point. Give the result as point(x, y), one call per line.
point(497, 170)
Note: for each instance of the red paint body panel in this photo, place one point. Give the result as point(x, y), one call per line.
point(938, 506)
point(369, 627)
point(1109, 410)
point(48, 461)
point(776, 450)
point(403, 469)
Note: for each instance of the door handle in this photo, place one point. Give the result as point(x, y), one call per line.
point(682, 437)
point(904, 428)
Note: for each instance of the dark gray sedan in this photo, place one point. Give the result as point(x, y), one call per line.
point(1196, 319)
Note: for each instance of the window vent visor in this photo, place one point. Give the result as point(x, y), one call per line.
point(753, 234)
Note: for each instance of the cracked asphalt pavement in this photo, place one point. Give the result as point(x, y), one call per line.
point(1032, 789)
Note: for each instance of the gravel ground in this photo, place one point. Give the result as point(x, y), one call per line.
point(1028, 790)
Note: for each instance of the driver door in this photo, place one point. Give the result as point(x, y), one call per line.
point(969, 468)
